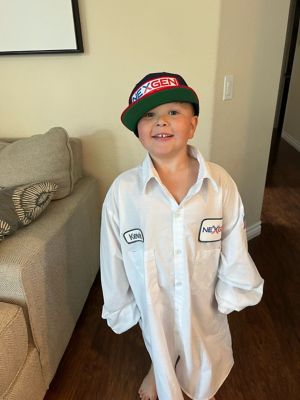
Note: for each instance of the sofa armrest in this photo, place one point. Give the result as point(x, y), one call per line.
point(49, 266)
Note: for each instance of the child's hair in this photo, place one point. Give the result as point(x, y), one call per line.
point(152, 91)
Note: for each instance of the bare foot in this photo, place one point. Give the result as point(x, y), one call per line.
point(188, 398)
point(147, 390)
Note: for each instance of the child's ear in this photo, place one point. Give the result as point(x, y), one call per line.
point(194, 123)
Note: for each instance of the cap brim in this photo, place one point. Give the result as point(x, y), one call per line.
point(132, 114)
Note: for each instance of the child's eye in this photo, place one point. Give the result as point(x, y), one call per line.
point(173, 112)
point(149, 114)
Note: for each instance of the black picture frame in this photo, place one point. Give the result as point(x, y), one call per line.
point(70, 40)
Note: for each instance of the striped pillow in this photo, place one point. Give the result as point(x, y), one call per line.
point(20, 205)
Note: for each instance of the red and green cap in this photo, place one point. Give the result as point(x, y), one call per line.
point(152, 91)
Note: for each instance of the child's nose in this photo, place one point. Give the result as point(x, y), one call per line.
point(162, 120)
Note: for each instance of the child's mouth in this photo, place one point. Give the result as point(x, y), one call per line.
point(162, 136)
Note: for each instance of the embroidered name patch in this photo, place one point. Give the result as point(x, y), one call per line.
point(154, 84)
point(135, 235)
point(211, 230)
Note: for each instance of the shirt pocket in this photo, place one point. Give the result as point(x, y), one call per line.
point(205, 268)
point(144, 263)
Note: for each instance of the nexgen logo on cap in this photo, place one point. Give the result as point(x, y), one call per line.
point(155, 84)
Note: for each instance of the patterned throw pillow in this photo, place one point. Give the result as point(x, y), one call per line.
point(21, 205)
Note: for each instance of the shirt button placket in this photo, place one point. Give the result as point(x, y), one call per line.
point(178, 246)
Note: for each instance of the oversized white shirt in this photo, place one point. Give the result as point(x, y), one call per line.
point(177, 269)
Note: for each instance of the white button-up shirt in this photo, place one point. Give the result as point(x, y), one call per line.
point(177, 269)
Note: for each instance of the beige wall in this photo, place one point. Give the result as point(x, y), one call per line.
point(292, 115)
point(124, 40)
point(251, 43)
point(202, 40)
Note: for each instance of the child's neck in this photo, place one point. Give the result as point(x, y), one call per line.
point(172, 163)
point(178, 175)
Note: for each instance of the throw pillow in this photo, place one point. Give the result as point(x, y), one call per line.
point(45, 157)
point(21, 205)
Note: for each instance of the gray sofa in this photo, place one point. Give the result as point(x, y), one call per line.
point(46, 268)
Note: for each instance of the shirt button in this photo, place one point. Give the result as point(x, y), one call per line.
point(178, 284)
point(178, 251)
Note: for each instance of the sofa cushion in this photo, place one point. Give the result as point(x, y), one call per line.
point(76, 146)
point(29, 384)
point(44, 157)
point(21, 205)
point(13, 343)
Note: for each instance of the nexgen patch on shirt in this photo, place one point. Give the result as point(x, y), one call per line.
point(211, 230)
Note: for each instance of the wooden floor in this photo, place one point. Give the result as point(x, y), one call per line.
point(101, 365)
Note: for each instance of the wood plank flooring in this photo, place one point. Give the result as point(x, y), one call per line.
point(100, 365)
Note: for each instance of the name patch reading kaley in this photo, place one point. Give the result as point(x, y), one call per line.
point(134, 235)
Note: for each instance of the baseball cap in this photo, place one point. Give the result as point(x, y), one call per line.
point(153, 90)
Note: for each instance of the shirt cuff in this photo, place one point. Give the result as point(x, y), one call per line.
point(122, 320)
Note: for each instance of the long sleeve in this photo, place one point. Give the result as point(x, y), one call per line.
point(119, 309)
point(239, 284)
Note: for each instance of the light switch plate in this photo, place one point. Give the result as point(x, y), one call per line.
point(228, 87)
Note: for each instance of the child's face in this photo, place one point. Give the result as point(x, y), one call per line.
point(165, 130)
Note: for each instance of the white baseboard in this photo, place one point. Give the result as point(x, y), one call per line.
point(254, 230)
point(291, 140)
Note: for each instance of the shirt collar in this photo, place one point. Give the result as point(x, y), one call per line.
point(150, 173)
point(204, 169)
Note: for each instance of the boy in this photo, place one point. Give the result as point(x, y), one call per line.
point(173, 247)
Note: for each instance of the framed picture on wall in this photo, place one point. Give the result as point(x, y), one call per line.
point(40, 27)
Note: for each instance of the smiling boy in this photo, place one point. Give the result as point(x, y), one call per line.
point(164, 132)
point(173, 247)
